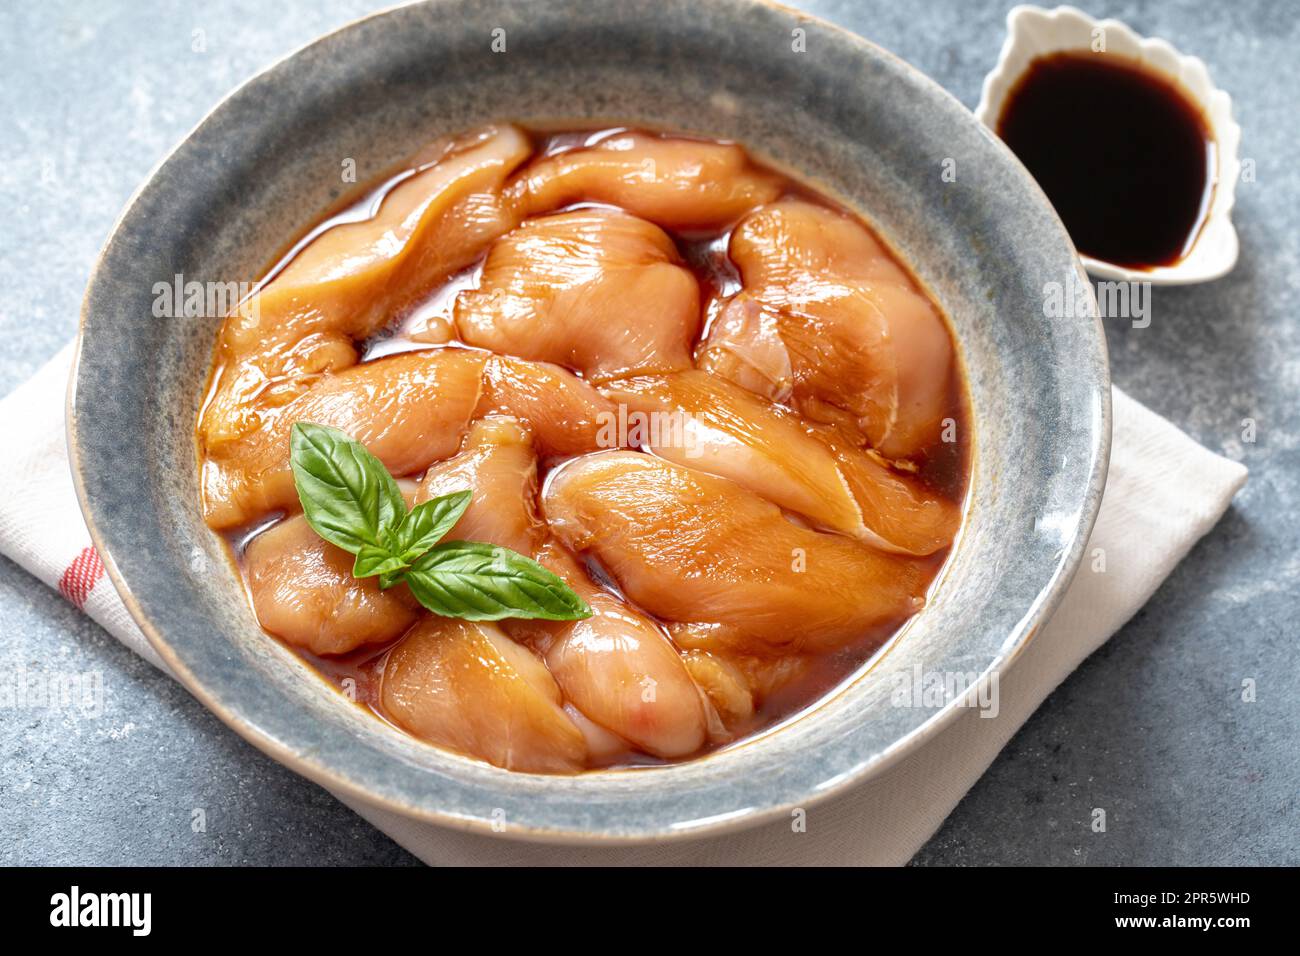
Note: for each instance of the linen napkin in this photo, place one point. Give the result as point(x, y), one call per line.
point(1164, 492)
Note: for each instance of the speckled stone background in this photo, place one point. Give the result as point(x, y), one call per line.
point(1152, 728)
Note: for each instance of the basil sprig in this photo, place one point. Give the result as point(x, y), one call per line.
point(350, 500)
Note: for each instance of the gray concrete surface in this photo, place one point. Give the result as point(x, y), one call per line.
point(1152, 728)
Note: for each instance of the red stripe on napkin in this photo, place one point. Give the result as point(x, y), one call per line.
point(81, 576)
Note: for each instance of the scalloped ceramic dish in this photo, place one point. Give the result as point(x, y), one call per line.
point(265, 162)
point(1033, 32)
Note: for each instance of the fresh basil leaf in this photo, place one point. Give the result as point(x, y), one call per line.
point(371, 561)
point(350, 500)
point(347, 495)
point(428, 522)
point(483, 582)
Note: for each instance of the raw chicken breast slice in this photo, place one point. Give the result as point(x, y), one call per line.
point(354, 277)
point(744, 345)
point(603, 747)
point(409, 410)
point(680, 184)
point(566, 415)
point(902, 515)
point(706, 422)
point(595, 290)
point(702, 421)
point(618, 667)
point(498, 465)
point(867, 348)
point(468, 687)
point(724, 685)
point(694, 548)
point(762, 674)
point(303, 592)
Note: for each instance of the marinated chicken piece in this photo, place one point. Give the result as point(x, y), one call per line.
point(409, 410)
point(303, 592)
point(618, 668)
point(744, 345)
point(603, 747)
point(762, 674)
point(867, 347)
point(468, 687)
point(694, 548)
point(595, 290)
point(498, 465)
point(767, 675)
point(681, 184)
point(724, 685)
point(708, 423)
point(565, 413)
point(901, 514)
point(352, 278)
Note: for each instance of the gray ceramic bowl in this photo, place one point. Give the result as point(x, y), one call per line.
point(846, 115)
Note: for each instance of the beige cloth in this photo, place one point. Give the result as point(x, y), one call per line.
point(1164, 492)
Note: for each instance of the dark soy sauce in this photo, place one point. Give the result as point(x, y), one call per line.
point(1123, 154)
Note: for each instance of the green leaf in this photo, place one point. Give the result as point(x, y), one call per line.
point(371, 561)
point(350, 500)
point(347, 495)
point(483, 582)
point(427, 523)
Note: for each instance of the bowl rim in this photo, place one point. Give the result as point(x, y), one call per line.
point(338, 783)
